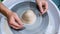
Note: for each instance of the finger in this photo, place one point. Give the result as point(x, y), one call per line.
point(19, 27)
point(12, 22)
point(40, 7)
point(14, 27)
point(18, 21)
point(46, 8)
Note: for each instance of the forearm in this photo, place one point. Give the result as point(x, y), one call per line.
point(4, 10)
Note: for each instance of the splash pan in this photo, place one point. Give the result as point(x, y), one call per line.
point(44, 24)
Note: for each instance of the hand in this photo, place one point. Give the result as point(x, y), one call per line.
point(43, 6)
point(14, 21)
point(12, 18)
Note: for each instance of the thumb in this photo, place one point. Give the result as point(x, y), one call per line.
point(40, 8)
point(17, 19)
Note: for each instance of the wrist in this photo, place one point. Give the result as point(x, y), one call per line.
point(8, 14)
point(5, 11)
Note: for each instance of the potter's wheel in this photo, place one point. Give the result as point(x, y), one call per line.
point(46, 24)
point(41, 22)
